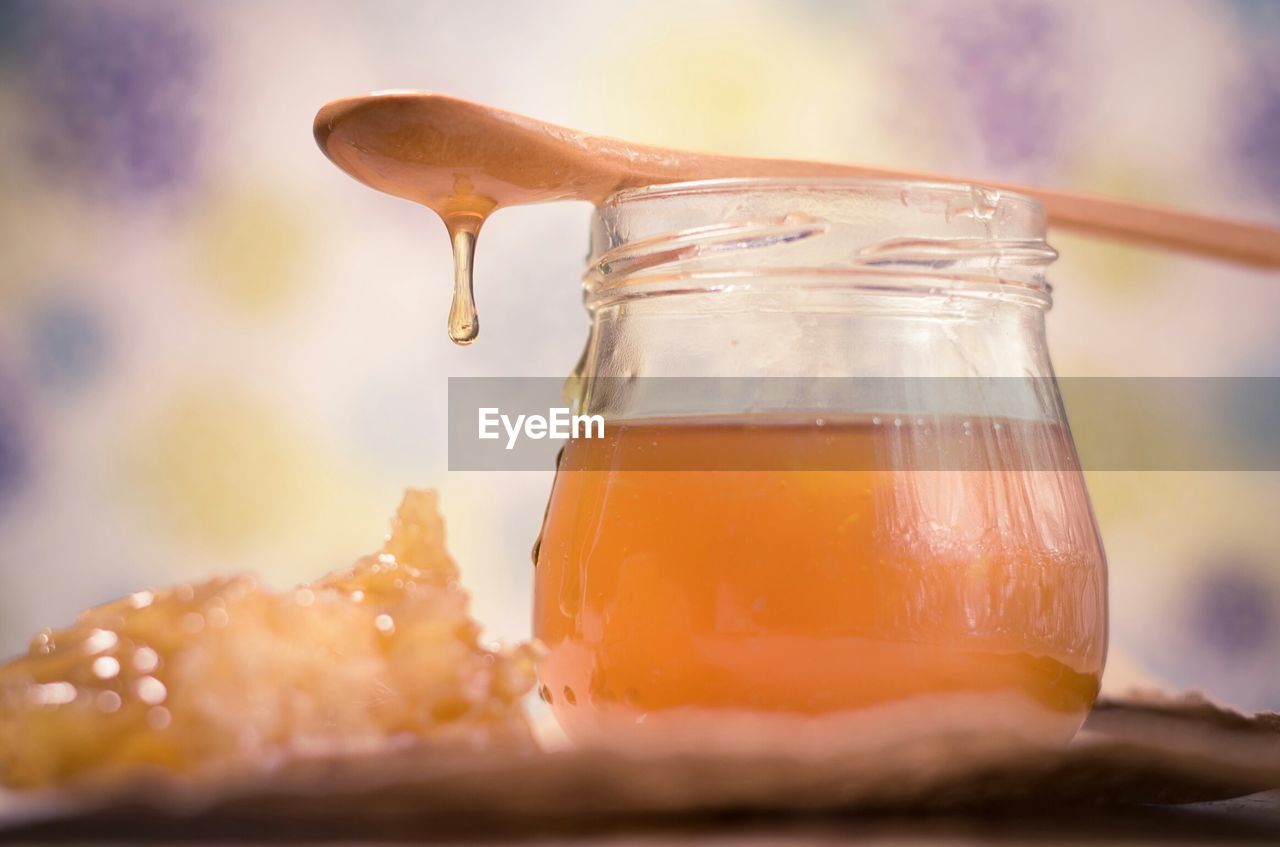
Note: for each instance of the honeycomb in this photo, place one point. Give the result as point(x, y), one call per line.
point(226, 675)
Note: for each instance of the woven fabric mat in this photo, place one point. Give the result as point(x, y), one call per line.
point(1133, 755)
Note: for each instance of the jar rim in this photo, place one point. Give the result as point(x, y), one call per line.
point(846, 232)
point(817, 184)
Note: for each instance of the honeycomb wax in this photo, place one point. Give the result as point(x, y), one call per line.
point(226, 675)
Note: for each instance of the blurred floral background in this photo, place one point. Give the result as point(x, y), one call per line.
point(218, 352)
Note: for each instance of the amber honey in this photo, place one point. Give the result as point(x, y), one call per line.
point(947, 574)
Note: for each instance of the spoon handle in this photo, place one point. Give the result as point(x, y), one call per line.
point(1144, 224)
point(1139, 223)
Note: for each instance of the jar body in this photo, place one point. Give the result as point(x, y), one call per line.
point(822, 564)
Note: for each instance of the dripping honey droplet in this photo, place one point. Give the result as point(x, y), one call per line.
point(464, 322)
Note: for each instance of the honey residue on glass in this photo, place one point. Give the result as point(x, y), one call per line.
point(753, 606)
point(226, 675)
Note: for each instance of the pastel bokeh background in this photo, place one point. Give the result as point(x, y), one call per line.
point(218, 352)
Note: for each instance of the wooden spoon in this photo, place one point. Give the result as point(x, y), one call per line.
point(465, 160)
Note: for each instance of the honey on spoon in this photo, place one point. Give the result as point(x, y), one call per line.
point(465, 161)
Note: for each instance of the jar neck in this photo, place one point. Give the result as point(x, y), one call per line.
point(735, 281)
point(790, 331)
point(707, 357)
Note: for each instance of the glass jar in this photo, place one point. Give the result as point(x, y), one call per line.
point(837, 501)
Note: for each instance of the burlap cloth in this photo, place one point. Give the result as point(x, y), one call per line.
point(1134, 756)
